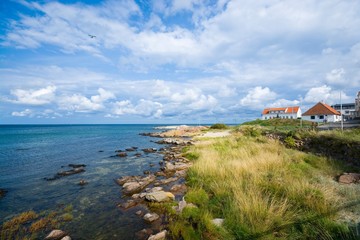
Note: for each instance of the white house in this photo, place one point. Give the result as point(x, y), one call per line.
point(284, 112)
point(322, 112)
point(347, 110)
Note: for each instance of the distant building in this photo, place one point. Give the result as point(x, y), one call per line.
point(346, 109)
point(284, 112)
point(322, 112)
point(357, 105)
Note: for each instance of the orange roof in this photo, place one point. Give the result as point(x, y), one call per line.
point(287, 110)
point(321, 109)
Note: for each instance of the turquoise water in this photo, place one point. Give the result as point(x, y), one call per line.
point(30, 153)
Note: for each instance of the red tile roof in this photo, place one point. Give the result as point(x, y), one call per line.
point(321, 109)
point(287, 110)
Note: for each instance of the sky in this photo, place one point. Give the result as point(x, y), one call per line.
point(179, 61)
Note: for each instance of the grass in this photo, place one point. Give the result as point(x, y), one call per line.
point(263, 190)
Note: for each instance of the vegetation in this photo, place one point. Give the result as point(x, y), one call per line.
point(31, 225)
point(279, 124)
point(264, 189)
point(219, 126)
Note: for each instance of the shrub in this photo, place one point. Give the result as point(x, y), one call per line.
point(219, 126)
point(290, 142)
point(251, 131)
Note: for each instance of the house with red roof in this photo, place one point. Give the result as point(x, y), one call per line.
point(282, 112)
point(322, 112)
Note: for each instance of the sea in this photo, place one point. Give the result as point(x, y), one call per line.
point(31, 153)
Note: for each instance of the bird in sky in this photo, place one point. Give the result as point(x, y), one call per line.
point(92, 36)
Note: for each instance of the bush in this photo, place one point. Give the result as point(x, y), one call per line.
point(219, 126)
point(290, 142)
point(251, 131)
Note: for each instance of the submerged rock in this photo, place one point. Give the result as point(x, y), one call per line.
point(56, 235)
point(77, 165)
point(128, 204)
point(83, 182)
point(178, 188)
point(160, 196)
point(159, 236)
point(71, 172)
point(2, 192)
point(348, 178)
point(150, 217)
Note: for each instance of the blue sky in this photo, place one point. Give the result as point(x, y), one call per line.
point(180, 61)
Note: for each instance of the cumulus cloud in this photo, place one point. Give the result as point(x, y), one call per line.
point(258, 97)
point(145, 108)
point(80, 103)
point(336, 76)
point(25, 113)
point(325, 94)
point(34, 97)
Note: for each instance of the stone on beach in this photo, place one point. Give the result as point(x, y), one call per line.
point(166, 181)
point(55, 235)
point(178, 188)
point(128, 204)
point(159, 236)
point(150, 217)
point(66, 238)
point(348, 178)
point(160, 196)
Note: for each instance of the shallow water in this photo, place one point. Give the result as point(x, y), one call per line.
point(29, 153)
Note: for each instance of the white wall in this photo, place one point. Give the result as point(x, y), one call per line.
point(281, 115)
point(328, 118)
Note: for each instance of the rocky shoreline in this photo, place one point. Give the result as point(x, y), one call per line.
point(164, 186)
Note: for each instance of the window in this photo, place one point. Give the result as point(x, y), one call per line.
point(321, 117)
point(312, 117)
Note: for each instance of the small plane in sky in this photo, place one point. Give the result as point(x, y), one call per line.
point(92, 36)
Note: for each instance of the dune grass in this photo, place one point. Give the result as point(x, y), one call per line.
point(263, 191)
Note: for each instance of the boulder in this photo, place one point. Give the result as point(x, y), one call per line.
point(139, 213)
point(178, 188)
point(218, 221)
point(136, 186)
point(129, 149)
point(348, 178)
point(150, 217)
point(166, 181)
point(56, 235)
point(66, 238)
point(159, 196)
point(149, 150)
point(143, 234)
point(159, 236)
point(128, 204)
point(122, 154)
point(123, 180)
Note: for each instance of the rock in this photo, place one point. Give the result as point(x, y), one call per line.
point(155, 189)
point(128, 204)
point(122, 154)
point(143, 234)
point(159, 236)
point(55, 235)
point(132, 187)
point(348, 178)
point(83, 182)
point(77, 165)
point(151, 164)
point(123, 180)
point(139, 213)
point(160, 173)
point(66, 238)
point(178, 188)
point(159, 196)
point(181, 173)
point(150, 217)
point(3, 192)
point(149, 150)
point(138, 154)
point(119, 150)
point(181, 205)
point(218, 221)
point(71, 172)
point(146, 172)
point(166, 181)
point(101, 151)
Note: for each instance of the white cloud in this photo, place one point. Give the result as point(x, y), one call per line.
point(284, 103)
point(25, 113)
point(336, 76)
point(145, 108)
point(34, 97)
point(325, 94)
point(258, 97)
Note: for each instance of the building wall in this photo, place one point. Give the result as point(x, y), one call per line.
point(357, 105)
point(281, 115)
point(326, 118)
